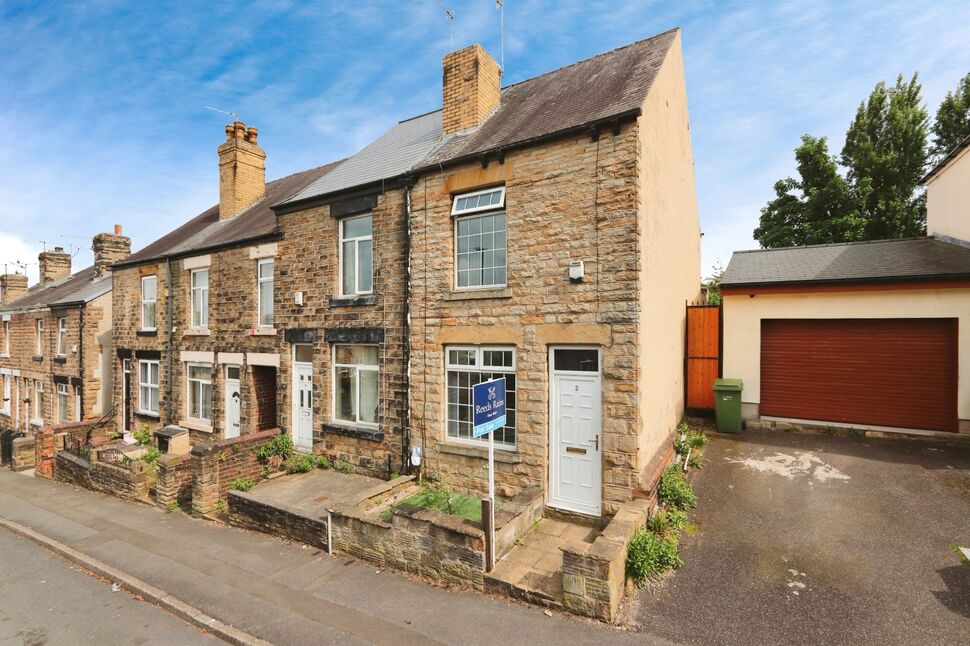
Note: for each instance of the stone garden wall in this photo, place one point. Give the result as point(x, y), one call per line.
point(174, 484)
point(216, 465)
point(127, 483)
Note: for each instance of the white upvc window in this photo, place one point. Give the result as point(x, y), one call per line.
point(38, 400)
point(264, 282)
point(200, 298)
point(63, 404)
point(40, 336)
point(356, 384)
point(467, 366)
point(6, 338)
point(481, 256)
point(148, 295)
point(356, 255)
point(61, 337)
point(5, 404)
point(148, 387)
point(199, 395)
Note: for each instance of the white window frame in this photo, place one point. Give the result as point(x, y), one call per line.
point(153, 302)
point(61, 390)
point(358, 368)
point(504, 283)
point(6, 338)
point(62, 337)
point(480, 367)
point(260, 281)
point(204, 299)
point(38, 400)
point(340, 253)
point(39, 327)
point(479, 209)
point(7, 386)
point(148, 385)
point(189, 382)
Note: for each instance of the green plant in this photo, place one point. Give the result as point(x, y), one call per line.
point(651, 554)
point(323, 462)
point(344, 467)
point(856, 432)
point(667, 521)
point(223, 456)
point(394, 475)
point(143, 436)
point(300, 464)
point(280, 445)
point(695, 461)
point(150, 456)
point(172, 506)
point(125, 461)
point(242, 484)
point(221, 507)
point(688, 439)
point(116, 435)
point(674, 490)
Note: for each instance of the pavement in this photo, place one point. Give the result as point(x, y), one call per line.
point(277, 591)
point(824, 540)
point(47, 600)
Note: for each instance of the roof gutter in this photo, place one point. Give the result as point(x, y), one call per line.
point(849, 281)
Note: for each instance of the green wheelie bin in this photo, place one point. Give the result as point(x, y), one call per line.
point(727, 404)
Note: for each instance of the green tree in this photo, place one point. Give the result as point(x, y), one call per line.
point(885, 154)
point(952, 123)
point(713, 283)
point(817, 208)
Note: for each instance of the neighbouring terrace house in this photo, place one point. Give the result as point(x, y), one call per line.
point(56, 339)
point(197, 341)
point(551, 238)
point(872, 335)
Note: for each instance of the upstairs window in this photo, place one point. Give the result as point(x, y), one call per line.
point(6, 338)
point(148, 284)
point(61, 337)
point(356, 256)
point(200, 298)
point(480, 239)
point(40, 337)
point(264, 281)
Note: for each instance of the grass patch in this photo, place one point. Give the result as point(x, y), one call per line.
point(454, 504)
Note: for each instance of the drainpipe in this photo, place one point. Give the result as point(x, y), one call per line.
point(80, 360)
point(170, 304)
point(406, 431)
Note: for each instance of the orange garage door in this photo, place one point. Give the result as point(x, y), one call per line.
point(879, 372)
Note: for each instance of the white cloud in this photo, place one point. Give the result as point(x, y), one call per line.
point(18, 256)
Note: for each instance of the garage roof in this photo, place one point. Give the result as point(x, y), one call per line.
point(880, 260)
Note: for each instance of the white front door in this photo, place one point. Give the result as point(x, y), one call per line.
point(303, 406)
point(575, 444)
point(233, 396)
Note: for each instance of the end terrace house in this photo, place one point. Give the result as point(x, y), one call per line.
point(546, 232)
point(197, 341)
point(56, 339)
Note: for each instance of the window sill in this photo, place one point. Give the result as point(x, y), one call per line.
point(351, 301)
point(147, 413)
point(502, 454)
point(263, 331)
point(37, 422)
point(360, 432)
point(196, 331)
point(146, 333)
point(60, 359)
point(4, 355)
point(195, 425)
point(476, 294)
point(38, 357)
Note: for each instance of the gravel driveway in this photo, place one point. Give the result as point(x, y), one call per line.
point(818, 539)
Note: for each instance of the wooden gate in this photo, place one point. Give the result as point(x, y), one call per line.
point(702, 365)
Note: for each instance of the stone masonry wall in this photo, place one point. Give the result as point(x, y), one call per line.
point(174, 484)
point(122, 482)
point(574, 199)
point(216, 465)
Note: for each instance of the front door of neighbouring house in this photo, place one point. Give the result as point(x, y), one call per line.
point(303, 405)
point(126, 395)
point(575, 443)
point(233, 397)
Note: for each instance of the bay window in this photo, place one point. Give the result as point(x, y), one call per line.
point(355, 379)
point(466, 367)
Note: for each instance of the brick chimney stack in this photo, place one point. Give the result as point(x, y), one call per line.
point(242, 170)
point(472, 88)
point(12, 287)
point(109, 248)
point(54, 265)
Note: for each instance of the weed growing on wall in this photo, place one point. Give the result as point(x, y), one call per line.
point(301, 464)
point(242, 484)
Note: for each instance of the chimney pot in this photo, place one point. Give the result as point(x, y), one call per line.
point(117, 229)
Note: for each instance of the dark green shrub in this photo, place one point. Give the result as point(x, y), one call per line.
point(674, 491)
point(650, 554)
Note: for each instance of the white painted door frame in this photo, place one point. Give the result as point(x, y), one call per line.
point(298, 368)
point(592, 446)
point(232, 387)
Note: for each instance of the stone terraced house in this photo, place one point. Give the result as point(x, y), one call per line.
point(55, 339)
point(546, 232)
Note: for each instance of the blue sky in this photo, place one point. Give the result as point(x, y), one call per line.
point(103, 121)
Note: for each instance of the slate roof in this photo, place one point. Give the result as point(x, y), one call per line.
point(205, 231)
point(82, 287)
point(610, 85)
point(950, 156)
point(880, 260)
